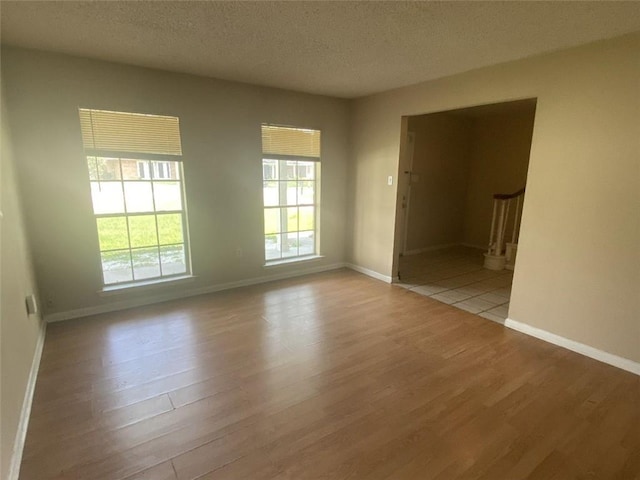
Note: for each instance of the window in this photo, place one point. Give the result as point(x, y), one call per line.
point(291, 191)
point(135, 171)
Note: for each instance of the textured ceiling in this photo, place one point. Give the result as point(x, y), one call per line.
point(344, 49)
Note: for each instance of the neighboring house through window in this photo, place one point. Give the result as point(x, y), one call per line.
point(161, 170)
point(291, 191)
point(135, 170)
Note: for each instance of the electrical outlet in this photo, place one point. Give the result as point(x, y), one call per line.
point(239, 252)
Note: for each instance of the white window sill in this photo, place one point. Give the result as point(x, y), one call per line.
point(144, 285)
point(290, 261)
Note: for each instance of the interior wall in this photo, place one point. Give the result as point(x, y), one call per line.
point(221, 140)
point(19, 332)
point(578, 259)
point(439, 188)
point(500, 146)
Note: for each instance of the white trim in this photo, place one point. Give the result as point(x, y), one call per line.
point(411, 148)
point(471, 245)
point(25, 413)
point(433, 248)
point(370, 273)
point(292, 260)
point(166, 296)
point(120, 288)
point(586, 350)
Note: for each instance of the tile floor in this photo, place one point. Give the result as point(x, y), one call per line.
point(456, 276)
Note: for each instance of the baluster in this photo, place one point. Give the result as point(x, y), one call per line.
point(506, 219)
point(494, 259)
point(516, 220)
point(500, 230)
point(493, 224)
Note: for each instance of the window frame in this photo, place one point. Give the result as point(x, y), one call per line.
point(316, 161)
point(149, 170)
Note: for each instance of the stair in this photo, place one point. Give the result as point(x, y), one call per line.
point(506, 208)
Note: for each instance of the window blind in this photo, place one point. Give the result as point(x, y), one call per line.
point(130, 132)
point(299, 142)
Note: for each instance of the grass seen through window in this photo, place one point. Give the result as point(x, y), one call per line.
point(139, 218)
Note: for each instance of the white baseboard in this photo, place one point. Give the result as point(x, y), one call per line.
point(25, 413)
point(471, 245)
point(370, 273)
point(169, 295)
point(586, 350)
point(432, 248)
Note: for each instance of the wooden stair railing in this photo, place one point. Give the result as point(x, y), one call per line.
point(496, 257)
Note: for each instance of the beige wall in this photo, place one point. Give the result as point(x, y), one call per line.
point(441, 164)
point(578, 266)
point(500, 147)
point(220, 124)
point(19, 332)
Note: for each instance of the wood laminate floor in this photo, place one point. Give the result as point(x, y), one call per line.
point(330, 376)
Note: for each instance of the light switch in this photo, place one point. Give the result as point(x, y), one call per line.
point(390, 180)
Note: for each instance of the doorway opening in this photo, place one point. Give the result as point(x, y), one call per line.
point(462, 184)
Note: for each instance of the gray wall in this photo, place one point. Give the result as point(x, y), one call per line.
point(220, 124)
point(19, 332)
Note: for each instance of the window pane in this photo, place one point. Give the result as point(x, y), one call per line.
point(164, 170)
point(143, 172)
point(272, 246)
point(292, 219)
point(116, 266)
point(112, 233)
point(289, 170)
point(103, 169)
point(93, 168)
point(142, 230)
point(172, 259)
point(306, 243)
point(146, 263)
point(107, 197)
point(133, 169)
point(271, 220)
point(306, 170)
point(270, 193)
point(167, 195)
point(306, 192)
point(307, 218)
point(270, 169)
point(290, 245)
point(170, 228)
point(138, 196)
point(292, 198)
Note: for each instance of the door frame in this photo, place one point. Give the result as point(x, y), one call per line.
point(406, 199)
